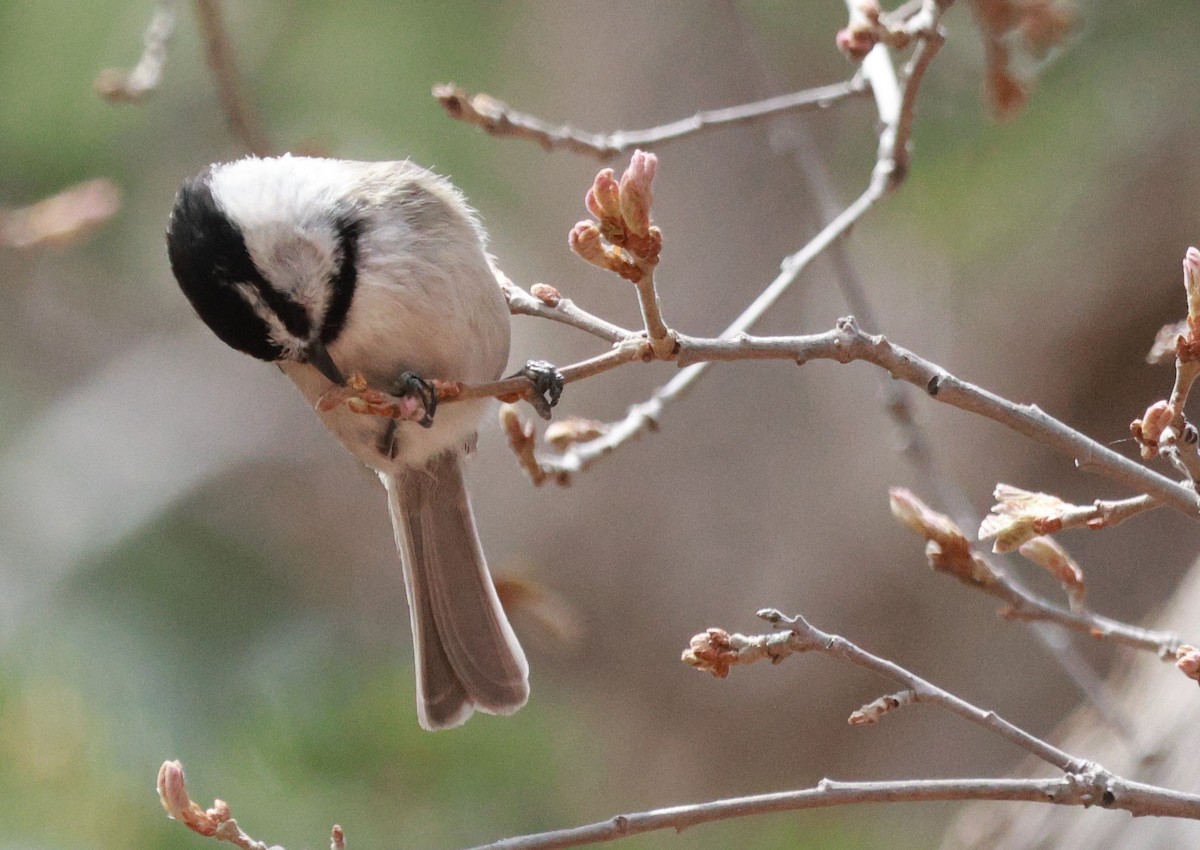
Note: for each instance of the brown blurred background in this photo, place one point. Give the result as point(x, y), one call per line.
point(190, 567)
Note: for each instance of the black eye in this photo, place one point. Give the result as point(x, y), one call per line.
point(209, 259)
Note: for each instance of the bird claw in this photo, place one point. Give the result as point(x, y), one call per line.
point(547, 384)
point(410, 385)
point(412, 394)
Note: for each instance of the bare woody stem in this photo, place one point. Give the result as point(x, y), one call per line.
point(847, 343)
point(662, 340)
point(243, 121)
point(801, 636)
point(1135, 797)
point(499, 119)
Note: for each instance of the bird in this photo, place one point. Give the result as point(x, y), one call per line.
point(329, 268)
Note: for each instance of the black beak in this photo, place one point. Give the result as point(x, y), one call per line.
point(317, 355)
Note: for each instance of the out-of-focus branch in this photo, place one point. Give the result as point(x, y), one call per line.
point(132, 86)
point(244, 122)
point(499, 119)
point(62, 218)
point(950, 552)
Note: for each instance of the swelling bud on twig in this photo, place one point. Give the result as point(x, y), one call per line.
point(635, 193)
point(1148, 430)
point(1187, 347)
point(603, 198)
point(546, 293)
point(947, 547)
point(1187, 659)
point(173, 794)
point(862, 33)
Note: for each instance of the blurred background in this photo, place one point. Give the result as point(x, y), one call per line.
point(191, 568)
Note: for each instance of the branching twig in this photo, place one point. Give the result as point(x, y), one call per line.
point(716, 651)
point(844, 344)
point(895, 107)
point(1084, 783)
point(950, 552)
point(545, 302)
point(243, 120)
point(499, 119)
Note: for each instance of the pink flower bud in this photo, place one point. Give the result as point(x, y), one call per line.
point(1187, 659)
point(585, 241)
point(603, 199)
point(172, 790)
point(636, 194)
point(1191, 283)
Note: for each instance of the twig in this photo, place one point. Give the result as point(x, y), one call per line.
point(499, 119)
point(132, 86)
point(798, 636)
point(1134, 797)
point(1106, 513)
point(1097, 788)
point(551, 305)
point(243, 121)
point(887, 175)
point(896, 397)
point(844, 344)
point(951, 552)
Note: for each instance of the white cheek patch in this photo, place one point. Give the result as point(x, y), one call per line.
point(283, 206)
point(276, 330)
point(297, 263)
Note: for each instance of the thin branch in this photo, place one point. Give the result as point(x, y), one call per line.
point(1097, 788)
point(896, 397)
point(132, 86)
point(243, 120)
point(887, 175)
point(951, 552)
point(1106, 513)
point(499, 119)
point(802, 636)
point(1134, 797)
point(847, 343)
point(551, 305)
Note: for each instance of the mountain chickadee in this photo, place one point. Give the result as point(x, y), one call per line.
point(329, 268)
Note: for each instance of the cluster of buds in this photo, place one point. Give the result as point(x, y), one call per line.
point(1020, 521)
point(418, 406)
point(711, 651)
point(621, 239)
